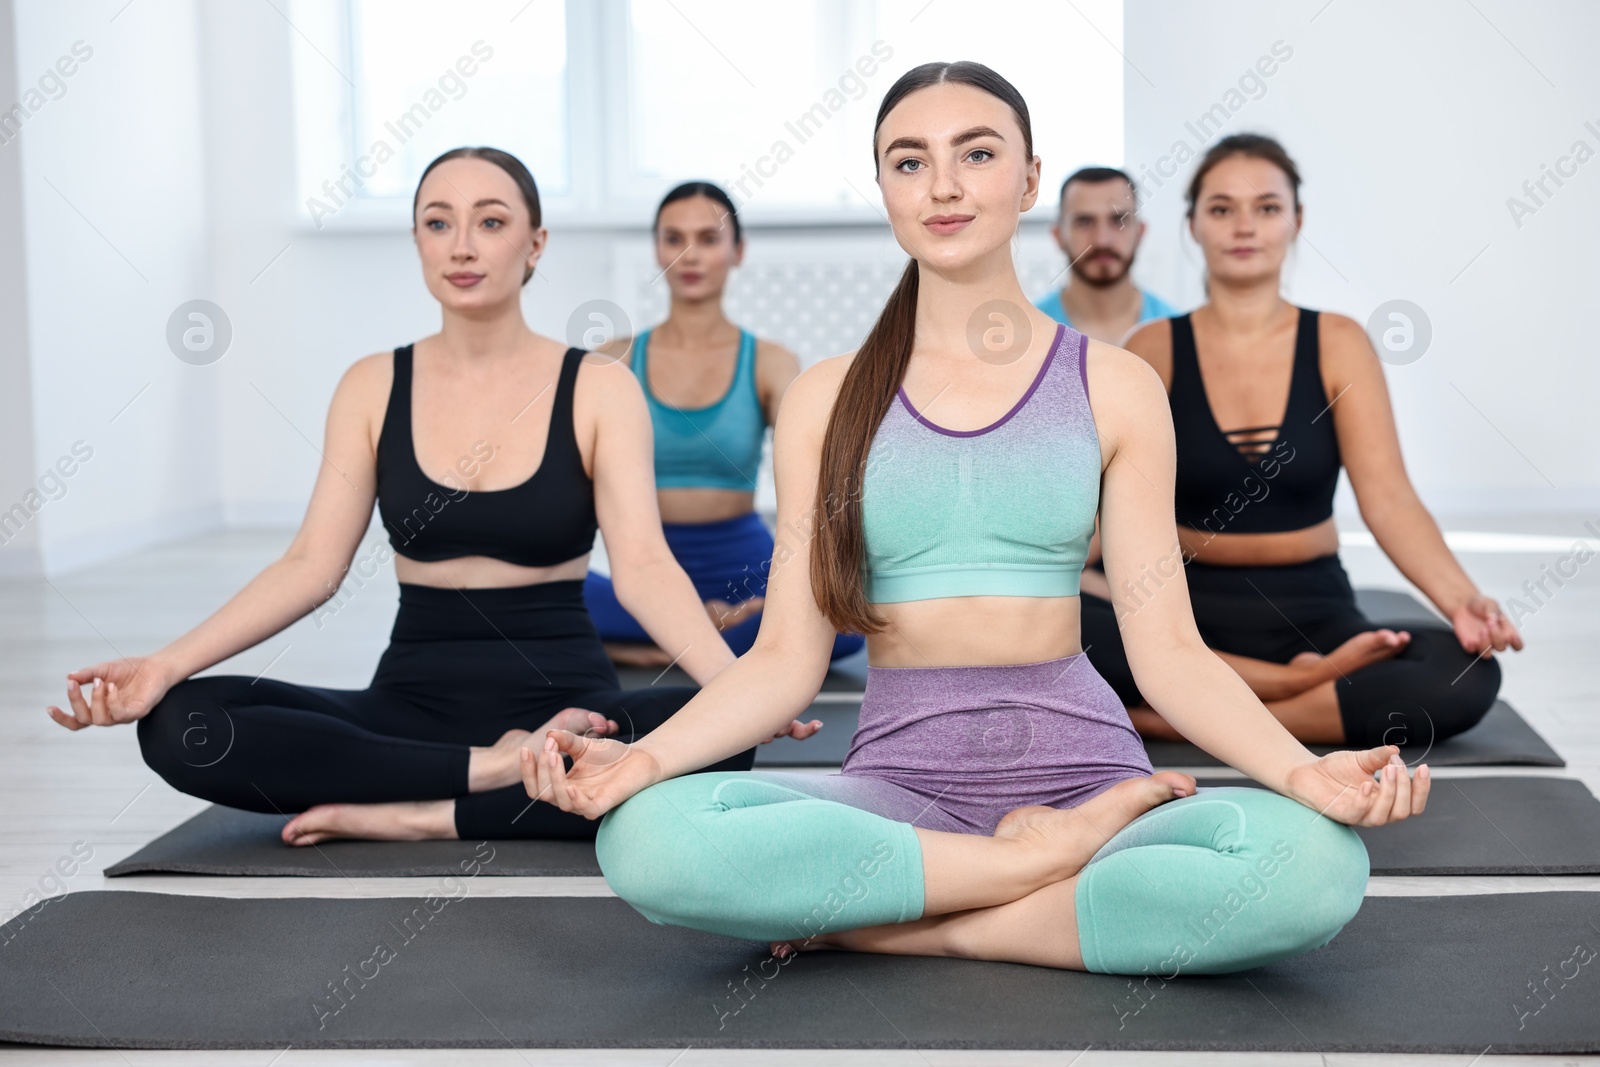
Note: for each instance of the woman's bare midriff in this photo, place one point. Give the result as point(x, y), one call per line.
point(972, 631)
point(704, 505)
point(483, 572)
point(1260, 549)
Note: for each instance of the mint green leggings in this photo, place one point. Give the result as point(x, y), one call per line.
point(1227, 879)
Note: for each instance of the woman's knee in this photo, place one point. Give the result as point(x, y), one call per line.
point(1438, 690)
point(652, 846)
point(174, 735)
point(1454, 688)
point(1468, 695)
point(1310, 874)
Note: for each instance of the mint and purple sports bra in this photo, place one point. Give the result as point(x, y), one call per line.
point(1007, 510)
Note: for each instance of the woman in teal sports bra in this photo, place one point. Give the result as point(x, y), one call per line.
point(996, 803)
point(709, 427)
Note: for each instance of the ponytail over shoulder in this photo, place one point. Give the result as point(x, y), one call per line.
point(866, 392)
point(869, 387)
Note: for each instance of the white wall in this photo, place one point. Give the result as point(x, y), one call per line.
point(175, 146)
point(115, 239)
point(1412, 124)
point(19, 531)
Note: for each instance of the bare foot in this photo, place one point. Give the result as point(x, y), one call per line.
point(498, 765)
point(409, 820)
point(634, 655)
point(782, 950)
point(1361, 650)
point(1073, 835)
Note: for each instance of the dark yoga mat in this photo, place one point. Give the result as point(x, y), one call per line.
point(845, 675)
point(1472, 826)
point(1502, 738)
point(223, 840)
point(838, 706)
point(149, 970)
point(1388, 606)
point(1487, 826)
point(827, 747)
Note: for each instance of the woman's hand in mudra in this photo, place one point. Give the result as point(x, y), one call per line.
point(1341, 786)
point(604, 772)
point(118, 691)
point(1482, 628)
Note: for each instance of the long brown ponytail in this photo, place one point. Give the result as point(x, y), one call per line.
point(869, 387)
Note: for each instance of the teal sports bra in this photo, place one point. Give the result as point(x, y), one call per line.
point(1007, 510)
point(715, 447)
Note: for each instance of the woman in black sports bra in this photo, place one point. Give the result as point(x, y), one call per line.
point(1258, 544)
point(491, 646)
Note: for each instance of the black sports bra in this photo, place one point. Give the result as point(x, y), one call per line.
point(546, 520)
point(1252, 485)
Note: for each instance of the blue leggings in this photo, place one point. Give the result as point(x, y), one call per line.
point(726, 560)
point(1225, 880)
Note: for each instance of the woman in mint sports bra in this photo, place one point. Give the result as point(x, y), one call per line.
point(709, 427)
point(996, 803)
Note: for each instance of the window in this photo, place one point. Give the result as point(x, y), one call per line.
point(384, 86)
point(1065, 59)
point(611, 102)
point(404, 52)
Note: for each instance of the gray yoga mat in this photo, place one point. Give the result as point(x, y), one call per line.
point(148, 970)
point(846, 675)
point(838, 705)
point(1387, 606)
point(1501, 738)
point(228, 841)
point(827, 747)
point(1472, 826)
point(1487, 826)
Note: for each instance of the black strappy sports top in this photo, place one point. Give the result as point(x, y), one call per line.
point(546, 520)
point(1254, 486)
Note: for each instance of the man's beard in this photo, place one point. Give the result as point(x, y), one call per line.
point(1104, 282)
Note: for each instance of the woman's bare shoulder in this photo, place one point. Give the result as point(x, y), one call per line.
point(1151, 340)
point(1123, 387)
point(810, 399)
point(618, 348)
point(1119, 367)
point(366, 382)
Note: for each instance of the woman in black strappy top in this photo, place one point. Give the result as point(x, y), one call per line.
point(491, 646)
point(1257, 542)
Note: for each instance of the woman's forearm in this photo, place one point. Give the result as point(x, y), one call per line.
point(1209, 704)
point(742, 706)
point(1408, 534)
point(660, 596)
point(285, 591)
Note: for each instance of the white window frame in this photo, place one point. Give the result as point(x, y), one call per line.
point(604, 194)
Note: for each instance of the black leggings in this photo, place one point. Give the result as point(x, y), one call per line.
point(1430, 691)
point(462, 668)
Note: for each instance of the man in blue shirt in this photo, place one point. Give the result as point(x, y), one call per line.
point(1099, 230)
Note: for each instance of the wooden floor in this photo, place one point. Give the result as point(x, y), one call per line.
point(59, 788)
